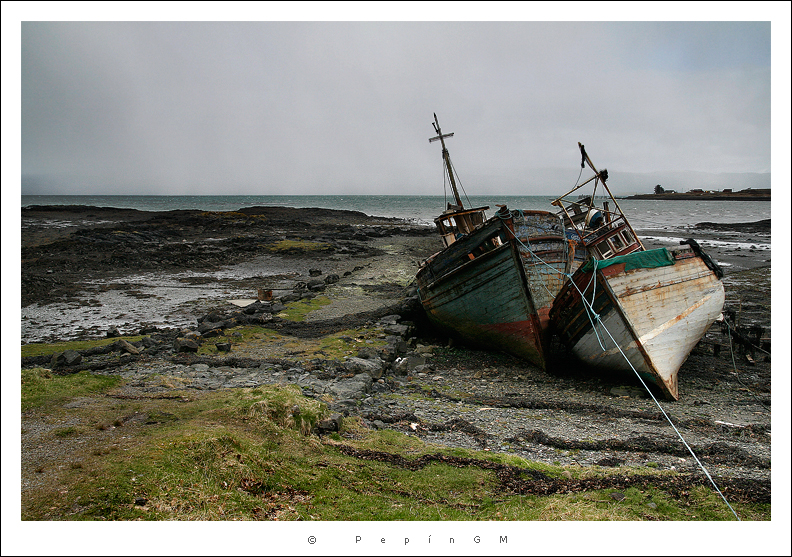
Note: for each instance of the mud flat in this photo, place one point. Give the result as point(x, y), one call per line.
point(87, 269)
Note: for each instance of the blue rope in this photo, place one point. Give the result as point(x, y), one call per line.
point(690, 450)
point(589, 307)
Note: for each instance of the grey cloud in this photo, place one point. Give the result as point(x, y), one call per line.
point(346, 107)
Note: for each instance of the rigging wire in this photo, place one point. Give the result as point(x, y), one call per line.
point(590, 308)
point(736, 372)
point(578, 178)
point(690, 450)
point(453, 168)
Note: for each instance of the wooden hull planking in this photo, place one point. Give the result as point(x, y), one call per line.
point(490, 299)
point(546, 270)
point(486, 302)
point(654, 315)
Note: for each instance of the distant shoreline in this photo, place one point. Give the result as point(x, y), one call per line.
point(720, 196)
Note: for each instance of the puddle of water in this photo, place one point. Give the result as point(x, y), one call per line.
point(159, 299)
point(162, 306)
point(55, 223)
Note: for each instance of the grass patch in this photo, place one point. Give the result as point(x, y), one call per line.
point(248, 454)
point(40, 387)
point(46, 349)
point(65, 431)
point(347, 343)
point(297, 246)
point(297, 311)
point(249, 339)
point(241, 337)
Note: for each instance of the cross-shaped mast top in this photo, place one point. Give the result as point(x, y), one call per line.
point(446, 157)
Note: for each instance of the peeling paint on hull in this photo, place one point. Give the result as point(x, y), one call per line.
point(655, 316)
point(493, 299)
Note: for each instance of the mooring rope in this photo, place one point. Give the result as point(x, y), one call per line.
point(690, 450)
point(734, 364)
point(590, 308)
point(589, 313)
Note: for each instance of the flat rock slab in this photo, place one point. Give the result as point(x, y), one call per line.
point(243, 303)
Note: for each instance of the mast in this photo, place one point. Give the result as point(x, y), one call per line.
point(446, 158)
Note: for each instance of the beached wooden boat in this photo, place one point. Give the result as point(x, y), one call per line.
point(629, 304)
point(494, 282)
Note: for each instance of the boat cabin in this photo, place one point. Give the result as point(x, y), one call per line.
point(456, 222)
point(604, 232)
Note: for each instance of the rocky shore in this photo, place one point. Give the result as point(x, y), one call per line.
point(364, 345)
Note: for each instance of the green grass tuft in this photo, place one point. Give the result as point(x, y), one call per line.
point(46, 349)
point(248, 454)
point(40, 387)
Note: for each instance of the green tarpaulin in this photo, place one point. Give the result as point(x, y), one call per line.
point(637, 260)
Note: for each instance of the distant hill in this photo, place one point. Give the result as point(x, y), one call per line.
point(559, 181)
point(681, 182)
point(748, 194)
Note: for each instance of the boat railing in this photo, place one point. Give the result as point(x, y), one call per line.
point(603, 231)
point(453, 224)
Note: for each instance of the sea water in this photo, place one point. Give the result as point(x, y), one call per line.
point(645, 215)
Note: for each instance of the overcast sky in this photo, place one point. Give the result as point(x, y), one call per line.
point(346, 107)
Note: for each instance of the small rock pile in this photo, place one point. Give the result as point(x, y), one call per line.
point(346, 381)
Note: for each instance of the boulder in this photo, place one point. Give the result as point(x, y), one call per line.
point(332, 423)
point(331, 279)
point(310, 382)
point(368, 353)
point(185, 345)
point(397, 330)
point(392, 319)
point(398, 344)
point(206, 326)
point(387, 353)
point(422, 350)
point(149, 342)
point(407, 364)
point(112, 332)
point(250, 309)
point(125, 346)
point(345, 406)
point(353, 388)
point(264, 307)
point(213, 317)
point(373, 367)
point(212, 333)
point(67, 358)
point(316, 285)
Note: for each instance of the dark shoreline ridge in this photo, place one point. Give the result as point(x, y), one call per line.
point(98, 243)
point(757, 226)
point(744, 195)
